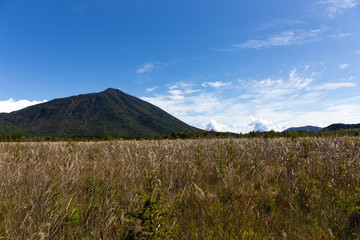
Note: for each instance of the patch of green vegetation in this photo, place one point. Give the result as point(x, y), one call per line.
point(156, 217)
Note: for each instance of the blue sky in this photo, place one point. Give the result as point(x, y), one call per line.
point(227, 65)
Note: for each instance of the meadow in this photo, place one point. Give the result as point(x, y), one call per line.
point(251, 188)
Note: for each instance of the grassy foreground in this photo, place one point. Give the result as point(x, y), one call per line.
point(306, 188)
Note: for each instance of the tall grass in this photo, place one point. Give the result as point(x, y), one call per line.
point(305, 188)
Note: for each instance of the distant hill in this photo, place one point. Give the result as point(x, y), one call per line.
point(111, 112)
point(305, 128)
point(332, 127)
point(341, 126)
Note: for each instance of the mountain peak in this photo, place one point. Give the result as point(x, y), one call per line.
point(112, 92)
point(109, 90)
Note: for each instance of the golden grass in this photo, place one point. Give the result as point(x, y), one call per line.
point(304, 188)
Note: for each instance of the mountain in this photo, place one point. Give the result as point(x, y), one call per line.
point(305, 128)
point(111, 112)
point(341, 126)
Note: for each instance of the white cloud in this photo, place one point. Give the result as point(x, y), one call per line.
point(336, 7)
point(357, 52)
point(218, 127)
point(332, 86)
point(146, 67)
point(216, 84)
point(344, 65)
point(152, 89)
point(261, 125)
point(14, 105)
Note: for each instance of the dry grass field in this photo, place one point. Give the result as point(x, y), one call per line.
point(304, 188)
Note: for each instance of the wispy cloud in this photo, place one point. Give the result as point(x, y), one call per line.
point(340, 35)
point(177, 94)
point(279, 23)
point(14, 105)
point(357, 52)
point(152, 89)
point(156, 65)
point(332, 86)
point(146, 67)
point(268, 89)
point(183, 99)
point(182, 85)
point(344, 65)
point(216, 84)
point(334, 8)
point(286, 38)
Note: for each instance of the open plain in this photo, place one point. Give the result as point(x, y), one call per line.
point(279, 188)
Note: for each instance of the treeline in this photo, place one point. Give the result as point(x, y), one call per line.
point(95, 138)
point(267, 134)
point(10, 134)
point(20, 137)
point(76, 138)
point(297, 134)
point(11, 137)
